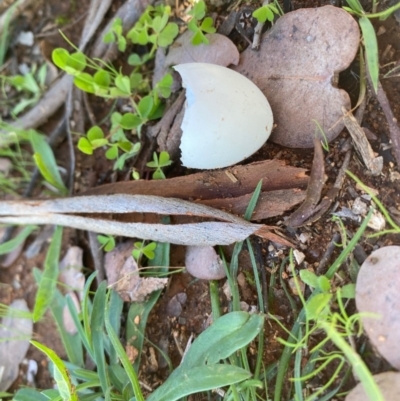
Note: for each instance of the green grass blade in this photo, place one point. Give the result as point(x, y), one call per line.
point(359, 367)
point(202, 378)
point(371, 50)
point(97, 325)
point(48, 283)
point(115, 312)
point(124, 359)
point(12, 244)
point(46, 162)
point(81, 332)
point(61, 376)
point(141, 310)
point(86, 308)
point(355, 5)
point(71, 342)
point(253, 201)
point(287, 351)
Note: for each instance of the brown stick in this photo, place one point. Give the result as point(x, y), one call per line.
point(314, 189)
point(373, 164)
point(394, 129)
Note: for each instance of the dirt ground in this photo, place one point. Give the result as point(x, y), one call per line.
point(170, 328)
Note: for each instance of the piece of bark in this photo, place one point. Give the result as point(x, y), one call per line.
point(332, 193)
point(314, 189)
point(270, 204)
point(229, 189)
point(215, 184)
point(373, 164)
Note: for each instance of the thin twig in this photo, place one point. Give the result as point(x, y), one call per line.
point(394, 129)
point(258, 31)
point(314, 189)
point(328, 253)
point(373, 164)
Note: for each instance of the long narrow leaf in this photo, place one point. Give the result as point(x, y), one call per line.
point(65, 387)
point(12, 244)
point(81, 332)
point(46, 162)
point(228, 334)
point(198, 379)
point(29, 394)
point(48, 283)
point(97, 324)
point(141, 310)
point(371, 50)
point(71, 342)
point(115, 312)
point(124, 359)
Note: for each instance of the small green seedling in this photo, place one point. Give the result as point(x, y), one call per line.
point(107, 242)
point(152, 29)
point(115, 35)
point(95, 139)
point(31, 85)
point(158, 163)
point(320, 303)
point(142, 249)
point(266, 12)
point(198, 28)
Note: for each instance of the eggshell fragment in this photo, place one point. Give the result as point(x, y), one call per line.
point(227, 117)
point(378, 299)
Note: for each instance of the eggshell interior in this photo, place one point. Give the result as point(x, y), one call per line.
point(227, 118)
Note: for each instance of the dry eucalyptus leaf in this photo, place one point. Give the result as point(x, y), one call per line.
point(203, 234)
point(220, 51)
point(123, 275)
point(377, 294)
point(298, 60)
point(388, 383)
point(204, 263)
point(15, 334)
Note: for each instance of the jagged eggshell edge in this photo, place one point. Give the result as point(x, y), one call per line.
point(227, 117)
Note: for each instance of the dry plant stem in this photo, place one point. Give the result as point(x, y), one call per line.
point(162, 129)
point(328, 253)
point(314, 189)
point(97, 11)
point(394, 129)
point(196, 234)
point(258, 30)
point(374, 164)
point(129, 13)
point(333, 192)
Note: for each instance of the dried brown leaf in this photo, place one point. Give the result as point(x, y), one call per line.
point(123, 275)
point(295, 66)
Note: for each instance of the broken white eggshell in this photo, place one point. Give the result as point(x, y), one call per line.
point(227, 117)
